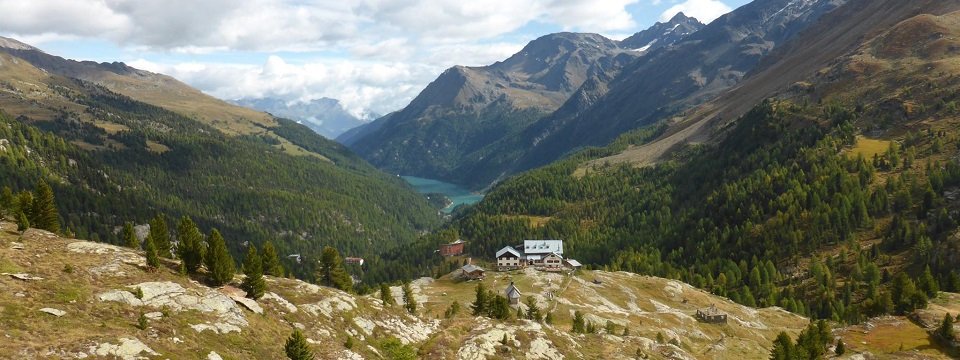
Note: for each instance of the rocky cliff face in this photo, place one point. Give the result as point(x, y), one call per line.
point(66, 298)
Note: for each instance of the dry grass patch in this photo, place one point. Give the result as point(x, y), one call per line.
point(891, 335)
point(869, 147)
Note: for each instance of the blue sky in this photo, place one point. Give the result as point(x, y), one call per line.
point(373, 55)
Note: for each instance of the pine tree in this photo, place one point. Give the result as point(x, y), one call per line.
point(297, 347)
point(945, 331)
point(22, 222)
point(142, 321)
point(218, 261)
point(153, 261)
point(499, 307)
point(160, 233)
point(783, 348)
point(6, 201)
point(578, 324)
point(331, 272)
point(44, 211)
point(533, 312)
point(190, 245)
point(253, 283)
point(841, 348)
point(452, 311)
point(479, 305)
point(610, 327)
point(271, 261)
point(549, 318)
point(927, 283)
point(130, 236)
point(386, 295)
point(409, 302)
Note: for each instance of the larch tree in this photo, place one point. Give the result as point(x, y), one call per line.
point(409, 302)
point(153, 260)
point(253, 283)
point(386, 296)
point(23, 223)
point(189, 245)
point(130, 236)
point(218, 261)
point(297, 347)
point(479, 305)
point(271, 261)
point(161, 235)
point(945, 331)
point(44, 211)
point(331, 272)
point(579, 327)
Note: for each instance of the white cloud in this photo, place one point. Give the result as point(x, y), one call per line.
point(360, 86)
point(300, 25)
point(704, 10)
point(594, 16)
point(373, 55)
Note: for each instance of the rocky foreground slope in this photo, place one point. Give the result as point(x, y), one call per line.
point(71, 299)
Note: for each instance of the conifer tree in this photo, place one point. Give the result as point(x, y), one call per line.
point(153, 261)
point(161, 235)
point(549, 318)
point(782, 348)
point(297, 347)
point(386, 296)
point(840, 349)
point(409, 302)
point(453, 310)
point(130, 236)
point(331, 272)
point(578, 323)
point(218, 260)
point(22, 222)
point(189, 245)
point(927, 283)
point(533, 312)
point(499, 307)
point(945, 331)
point(6, 201)
point(479, 305)
point(253, 283)
point(271, 262)
point(45, 215)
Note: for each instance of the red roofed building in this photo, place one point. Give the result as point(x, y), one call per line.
point(452, 249)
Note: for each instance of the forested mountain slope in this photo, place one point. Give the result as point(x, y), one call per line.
point(836, 199)
point(112, 159)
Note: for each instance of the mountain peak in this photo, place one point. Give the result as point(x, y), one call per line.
point(663, 34)
point(14, 44)
point(680, 17)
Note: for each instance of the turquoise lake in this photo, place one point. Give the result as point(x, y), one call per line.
point(457, 194)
